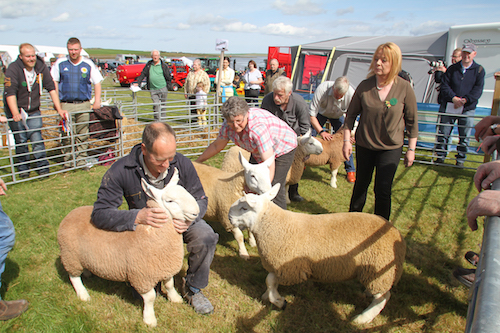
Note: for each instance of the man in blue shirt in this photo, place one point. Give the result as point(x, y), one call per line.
point(461, 87)
point(74, 77)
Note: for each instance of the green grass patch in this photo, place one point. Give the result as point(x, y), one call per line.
point(429, 205)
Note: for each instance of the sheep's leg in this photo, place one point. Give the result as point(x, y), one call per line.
point(378, 304)
point(333, 180)
point(149, 310)
point(81, 292)
point(251, 239)
point(172, 294)
point(242, 250)
point(272, 294)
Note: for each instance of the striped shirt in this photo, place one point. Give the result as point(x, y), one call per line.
point(264, 131)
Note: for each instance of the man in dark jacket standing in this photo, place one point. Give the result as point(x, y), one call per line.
point(293, 110)
point(158, 79)
point(154, 160)
point(461, 87)
point(23, 85)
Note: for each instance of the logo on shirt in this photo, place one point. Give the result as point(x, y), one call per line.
point(84, 70)
point(65, 69)
point(7, 82)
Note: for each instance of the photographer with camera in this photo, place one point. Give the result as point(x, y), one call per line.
point(439, 67)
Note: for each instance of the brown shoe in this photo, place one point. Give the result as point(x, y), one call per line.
point(465, 276)
point(12, 309)
point(351, 177)
point(472, 257)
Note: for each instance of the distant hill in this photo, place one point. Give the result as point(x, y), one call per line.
point(111, 54)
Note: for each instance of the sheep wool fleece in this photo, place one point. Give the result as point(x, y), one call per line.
point(123, 179)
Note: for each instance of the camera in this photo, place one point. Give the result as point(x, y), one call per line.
point(438, 63)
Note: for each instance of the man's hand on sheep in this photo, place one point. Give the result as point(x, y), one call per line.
point(181, 226)
point(154, 217)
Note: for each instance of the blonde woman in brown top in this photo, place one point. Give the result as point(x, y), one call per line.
point(387, 107)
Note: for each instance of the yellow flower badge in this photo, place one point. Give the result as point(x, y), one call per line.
point(391, 102)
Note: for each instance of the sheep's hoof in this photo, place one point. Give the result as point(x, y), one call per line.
point(284, 305)
point(150, 322)
point(245, 256)
point(360, 320)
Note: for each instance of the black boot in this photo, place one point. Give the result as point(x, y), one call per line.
point(293, 193)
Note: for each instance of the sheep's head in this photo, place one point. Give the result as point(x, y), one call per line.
point(257, 175)
point(247, 209)
point(175, 199)
point(309, 144)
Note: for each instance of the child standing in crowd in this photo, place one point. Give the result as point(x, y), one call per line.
point(201, 104)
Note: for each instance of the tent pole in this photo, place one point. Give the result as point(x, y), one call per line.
point(327, 68)
point(295, 62)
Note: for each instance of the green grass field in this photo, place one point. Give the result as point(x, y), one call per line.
point(428, 208)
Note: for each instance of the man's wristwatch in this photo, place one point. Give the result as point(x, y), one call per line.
point(493, 128)
point(322, 131)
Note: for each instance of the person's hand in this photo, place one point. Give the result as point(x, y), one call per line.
point(409, 158)
point(3, 119)
point(457, 102)
point(16, 116)
point(486, 174)
point(441, 69)
point(483, 129)
point(64, 114)
point(3, 187)
point(180, 226)
point(347, 149)
point(486, 203)
point(326, 136)
point(489, 144)
point(154, 217)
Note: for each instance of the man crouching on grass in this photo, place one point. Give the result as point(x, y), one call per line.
point(154, 160)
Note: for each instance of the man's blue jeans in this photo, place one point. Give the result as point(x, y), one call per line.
point(7, 239)
point(34, 135)
point(336, 124)
point(446, 123)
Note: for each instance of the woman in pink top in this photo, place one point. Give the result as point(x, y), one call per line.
point(261, 133)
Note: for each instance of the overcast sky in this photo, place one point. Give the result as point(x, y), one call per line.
point(249, 26)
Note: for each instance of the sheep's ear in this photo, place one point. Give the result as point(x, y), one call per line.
point(308, 134)
point(243, 161)
point(150, 191)
point(175, 178)
point(273, 192)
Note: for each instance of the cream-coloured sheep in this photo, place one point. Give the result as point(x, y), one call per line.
point(142, 257)
point(223, 188)
point(332, 155)
point(307, 146)
point(296, 247)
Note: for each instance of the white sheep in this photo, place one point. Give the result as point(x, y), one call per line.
point(332, 155)
point(306, 147)
point(142, 257)
point(223, 188)
point(295, 247)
